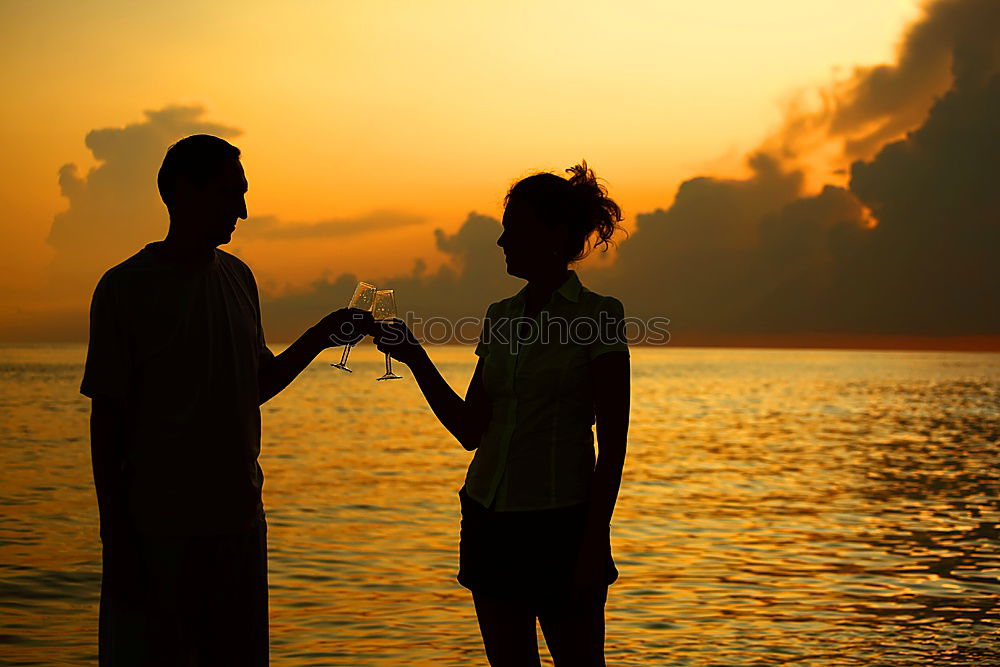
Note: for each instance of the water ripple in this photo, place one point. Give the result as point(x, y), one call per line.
point(778, 508)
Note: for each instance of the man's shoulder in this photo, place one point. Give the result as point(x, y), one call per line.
point(126, 271)
point(235, 263)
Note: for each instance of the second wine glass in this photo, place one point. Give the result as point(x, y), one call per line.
point(385, 309)
point(363, 299)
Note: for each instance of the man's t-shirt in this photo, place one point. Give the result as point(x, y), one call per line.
point(181, 347)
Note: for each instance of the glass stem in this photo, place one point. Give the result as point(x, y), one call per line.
point(343, 357)
point(388, 364)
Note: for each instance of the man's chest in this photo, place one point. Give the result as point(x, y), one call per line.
point(195, 323)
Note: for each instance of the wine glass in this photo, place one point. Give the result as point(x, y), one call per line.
point(385, 309)
point(363, 299)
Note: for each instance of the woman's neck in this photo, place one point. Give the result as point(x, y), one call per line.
point(540, 289)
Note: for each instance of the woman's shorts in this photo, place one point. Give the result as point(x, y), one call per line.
point(525, 557)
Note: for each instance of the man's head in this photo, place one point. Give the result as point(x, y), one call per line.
point(202, 183)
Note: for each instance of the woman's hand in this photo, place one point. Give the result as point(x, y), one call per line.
point(590, 572)
point(393, 337)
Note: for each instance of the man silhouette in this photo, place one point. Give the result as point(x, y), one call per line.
point(177, 369)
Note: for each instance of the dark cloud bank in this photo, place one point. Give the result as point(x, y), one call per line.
point(910, 249)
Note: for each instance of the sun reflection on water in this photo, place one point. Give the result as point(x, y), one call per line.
point(779, 507)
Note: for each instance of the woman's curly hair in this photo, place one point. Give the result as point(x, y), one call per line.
point(580, 202)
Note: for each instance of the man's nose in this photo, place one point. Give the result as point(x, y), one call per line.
point(243, 210)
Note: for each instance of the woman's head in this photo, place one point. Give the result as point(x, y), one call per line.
point(550, 221)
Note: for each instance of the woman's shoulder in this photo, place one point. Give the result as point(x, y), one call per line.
point(608, 313)
point(595, 302)
point(501, 307)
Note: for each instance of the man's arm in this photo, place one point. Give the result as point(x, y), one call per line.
point(107, 437)
point(278, 372)
point(342, 327)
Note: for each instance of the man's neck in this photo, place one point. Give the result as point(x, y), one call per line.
point(185, 251)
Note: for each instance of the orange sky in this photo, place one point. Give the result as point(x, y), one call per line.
point(428, 109)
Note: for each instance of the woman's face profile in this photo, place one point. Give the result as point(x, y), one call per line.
point(530, 246)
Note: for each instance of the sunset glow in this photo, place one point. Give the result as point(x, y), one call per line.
point(389, 120)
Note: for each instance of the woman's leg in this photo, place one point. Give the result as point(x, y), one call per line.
point(508, 632)
point(575, 635)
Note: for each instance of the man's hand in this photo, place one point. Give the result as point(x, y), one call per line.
point(393, 337)
point(121, 557)
point(346, 326)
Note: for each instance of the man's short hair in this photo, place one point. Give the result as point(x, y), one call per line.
point(195, 158)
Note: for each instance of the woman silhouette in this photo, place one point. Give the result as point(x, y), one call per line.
point(537, 502)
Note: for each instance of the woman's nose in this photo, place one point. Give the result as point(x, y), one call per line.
point(500, 239)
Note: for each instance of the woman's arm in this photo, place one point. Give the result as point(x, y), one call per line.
point(610, 378)
point(465, 419)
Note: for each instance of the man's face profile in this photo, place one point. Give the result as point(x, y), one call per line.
point(214, 208)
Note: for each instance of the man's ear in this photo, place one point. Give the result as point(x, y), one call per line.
point(187, 191)
point(182, 193)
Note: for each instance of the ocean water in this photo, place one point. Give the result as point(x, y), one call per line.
point(779, 507)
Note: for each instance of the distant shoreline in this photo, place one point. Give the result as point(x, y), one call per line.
point(988, 343)
point(856, 342)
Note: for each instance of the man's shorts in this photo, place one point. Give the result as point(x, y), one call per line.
point(186, 600)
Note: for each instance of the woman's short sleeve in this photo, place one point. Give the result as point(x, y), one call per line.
point(482, 347)
point(611, 329)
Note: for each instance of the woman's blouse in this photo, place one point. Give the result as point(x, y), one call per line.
point(538, 450)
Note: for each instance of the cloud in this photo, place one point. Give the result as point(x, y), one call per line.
point(909, 248)
point(955, 41)
point(936, 195)
point(686, 259)
point(272, 228)
point(463, 286)
point(114, 209)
